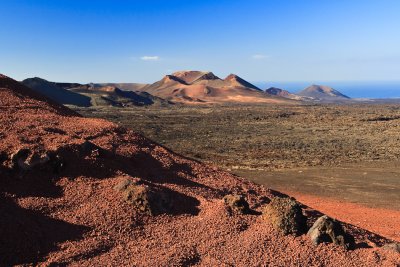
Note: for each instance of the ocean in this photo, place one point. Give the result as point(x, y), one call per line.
point(373, 89)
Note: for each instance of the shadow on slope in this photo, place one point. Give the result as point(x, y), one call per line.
point(28, 235)
point(56, 92)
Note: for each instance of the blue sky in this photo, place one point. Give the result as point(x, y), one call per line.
point(140, 41)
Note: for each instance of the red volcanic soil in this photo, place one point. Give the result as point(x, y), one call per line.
point(381, 221)
point(73, 216)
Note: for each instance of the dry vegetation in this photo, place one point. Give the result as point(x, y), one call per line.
point(269, 137)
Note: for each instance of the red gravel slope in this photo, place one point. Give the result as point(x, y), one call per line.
point(381, 221)
point(75, 217)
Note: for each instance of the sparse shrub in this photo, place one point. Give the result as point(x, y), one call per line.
point(286, 216)
point(143, 198)
point(236, 204)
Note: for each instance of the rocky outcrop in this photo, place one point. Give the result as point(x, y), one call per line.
point(326, 229)
point(286, 216)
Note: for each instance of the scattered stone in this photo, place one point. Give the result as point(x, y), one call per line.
point(236, 204)
point(286, 216)
point(121, 186)
point(392, 247)
point(25, 160)
point(88, 148)
point(326, 229)
point(264, 200)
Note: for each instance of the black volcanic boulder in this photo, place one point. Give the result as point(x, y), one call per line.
point(26, 160)
point(144, 199)
point(236, 204)
point(286, 216)
point(328, 230)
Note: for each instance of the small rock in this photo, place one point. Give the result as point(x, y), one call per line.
point(26, 160)
point(264, 200)
point(236, 204)
point(20, 156)
point(392, 247)
point(286, 216)
point(326, 229)
point(88, 148)
point(121, 186)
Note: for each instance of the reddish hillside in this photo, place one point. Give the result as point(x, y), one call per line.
point(60, 204)
point(204, 87)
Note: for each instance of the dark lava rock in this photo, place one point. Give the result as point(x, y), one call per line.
point(236, 204)
point(87, 148)
point(328, 230)
point(393, 247)
point(26, 160)
point(286, 216)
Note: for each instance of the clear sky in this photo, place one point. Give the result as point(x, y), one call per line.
point(260, 40)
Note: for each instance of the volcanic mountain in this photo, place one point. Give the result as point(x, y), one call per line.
point(205, 87)
point(57, 93)
point(110, 95)
point(323, 93)
point(284, 93)
point(87, 192)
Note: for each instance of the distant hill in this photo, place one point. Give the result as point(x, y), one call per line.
point(109, 95)
point(285, 94)
point(124, 86)
point(67, 85)
point(205, 87)
point(57, 93)
point(323, 93)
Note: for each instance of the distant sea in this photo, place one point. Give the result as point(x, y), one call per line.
point(373, 89)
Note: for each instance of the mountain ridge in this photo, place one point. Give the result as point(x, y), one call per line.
point(194, 87)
